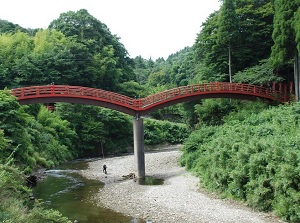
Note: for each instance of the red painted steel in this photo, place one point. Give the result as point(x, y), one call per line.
point(53, 93)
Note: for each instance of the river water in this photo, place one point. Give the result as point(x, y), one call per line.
point(65, 190)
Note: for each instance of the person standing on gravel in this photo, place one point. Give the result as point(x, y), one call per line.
point(104, 169)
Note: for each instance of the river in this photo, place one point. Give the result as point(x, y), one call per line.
point(65, 190)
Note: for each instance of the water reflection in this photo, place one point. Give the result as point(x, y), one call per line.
point(67, 191)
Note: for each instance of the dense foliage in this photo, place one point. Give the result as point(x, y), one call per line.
point(158, 132)
point(253, 40)
point(252, 157)
point(25, 144)
point(242, 150)
point(42, 141)
point(14, 196)
point(285, 30)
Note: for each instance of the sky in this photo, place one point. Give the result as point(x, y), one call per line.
point(147, 28)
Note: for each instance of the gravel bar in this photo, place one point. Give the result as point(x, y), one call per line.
point(177, 200)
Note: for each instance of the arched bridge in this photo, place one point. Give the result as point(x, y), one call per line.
point(142, 106)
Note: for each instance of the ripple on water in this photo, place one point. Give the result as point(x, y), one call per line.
point(64, 189)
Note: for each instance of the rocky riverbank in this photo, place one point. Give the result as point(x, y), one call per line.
point(177, 200)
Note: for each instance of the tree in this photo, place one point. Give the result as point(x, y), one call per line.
point(104, 46)
point(54, 58)
point(8, 27)
point(206, 52)
point(97, 127)
point(13, 122)
point(255, 20)
point(284, 32)
point(285, 36)
point(255, 30)
point(105, 70)
point(228, 29)
point(12, 47)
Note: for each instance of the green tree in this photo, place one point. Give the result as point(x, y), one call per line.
point(140, 69)
point(12, 47)
point(133, 89)
point(285, 36)
point(59, 128)
point(284, 33)
point(105, 70)
point(261, 74)
point(255, 19)
point(256, 27)
point(47, 141)
point(13, 121)
point(105, 47)
point(8, 27)
point(96, 127)
point(14, 200)
point(228, 29)
point(54, 58)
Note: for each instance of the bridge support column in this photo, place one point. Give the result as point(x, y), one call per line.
point(139, 153)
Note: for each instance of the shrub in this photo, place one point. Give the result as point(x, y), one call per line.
point(156, 132)
point(255, 158)
point(14, 196)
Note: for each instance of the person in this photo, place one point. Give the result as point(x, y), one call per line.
point(104, 169)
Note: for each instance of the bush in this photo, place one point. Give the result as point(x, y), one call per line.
point(14, 196)
point(157, 132)
point(255, 158)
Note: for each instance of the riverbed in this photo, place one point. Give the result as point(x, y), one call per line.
point(65, 190)
point(178, 199)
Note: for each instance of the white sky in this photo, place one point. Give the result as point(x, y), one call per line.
point(150, 28)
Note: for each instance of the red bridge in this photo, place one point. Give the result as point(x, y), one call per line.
point(142, 106)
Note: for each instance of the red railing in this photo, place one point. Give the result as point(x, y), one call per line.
point(279, 92)
point(70, 91)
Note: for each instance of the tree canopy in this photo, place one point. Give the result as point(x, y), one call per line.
point(284, 34)
point(109, 55)
point(78, 49)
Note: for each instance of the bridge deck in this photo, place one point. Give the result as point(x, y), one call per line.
point(85, 95)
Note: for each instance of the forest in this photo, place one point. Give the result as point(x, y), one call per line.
point(243, 150)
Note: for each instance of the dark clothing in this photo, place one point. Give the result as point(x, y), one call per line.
point(104, 169)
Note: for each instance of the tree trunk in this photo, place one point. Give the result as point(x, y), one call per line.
point(297, 75)
point(229, 63)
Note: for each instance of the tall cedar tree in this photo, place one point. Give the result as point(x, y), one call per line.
point(228, 28)
point(255, 21)
point(284, 33)
point(284, 36)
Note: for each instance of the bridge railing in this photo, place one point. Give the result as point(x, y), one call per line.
point(277, 92)
point(281, 94)
point(69, 91)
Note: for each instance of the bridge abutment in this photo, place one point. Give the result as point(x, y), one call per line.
point(139, 153)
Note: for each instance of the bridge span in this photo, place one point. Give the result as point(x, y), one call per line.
point(142, 106)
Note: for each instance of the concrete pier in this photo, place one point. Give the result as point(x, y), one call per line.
point(139, 153)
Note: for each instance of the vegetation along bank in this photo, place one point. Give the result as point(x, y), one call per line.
point(243, 150)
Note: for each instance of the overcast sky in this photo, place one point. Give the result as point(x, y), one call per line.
point(150, 28)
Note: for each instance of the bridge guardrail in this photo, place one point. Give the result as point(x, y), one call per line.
point(273, 92)
point(69, 91)
point(217, 87)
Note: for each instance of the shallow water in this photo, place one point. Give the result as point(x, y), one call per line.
point(64, 189)
point(150, 181)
